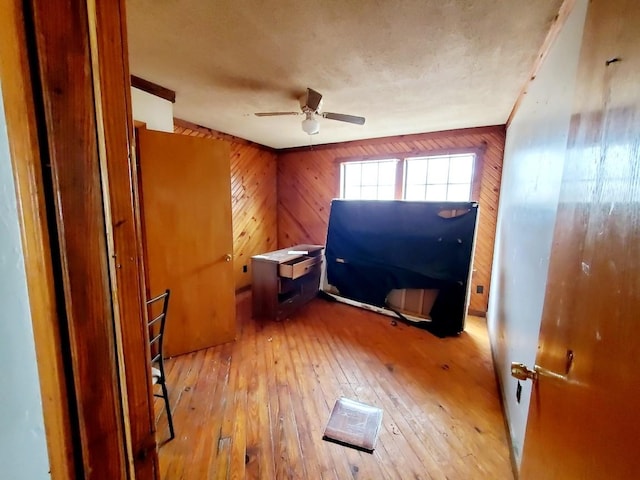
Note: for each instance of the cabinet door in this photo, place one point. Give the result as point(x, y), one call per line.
point(186, 209)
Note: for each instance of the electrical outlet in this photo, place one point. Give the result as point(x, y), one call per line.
point(244, 269)
point(479, 288)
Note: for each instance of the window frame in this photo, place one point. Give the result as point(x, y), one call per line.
point(401, 159)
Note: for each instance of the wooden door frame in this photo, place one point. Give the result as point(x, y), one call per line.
point(21, 121)
point(71, 142)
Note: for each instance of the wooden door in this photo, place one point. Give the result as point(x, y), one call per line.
point(186, 209)
point(584, 424)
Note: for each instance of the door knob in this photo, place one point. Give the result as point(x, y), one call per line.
point(522, 372)
point(227, 258)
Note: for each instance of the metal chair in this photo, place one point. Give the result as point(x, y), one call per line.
point(156, 336)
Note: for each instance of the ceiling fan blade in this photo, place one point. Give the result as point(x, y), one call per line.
point(275, 114)
point(344, 118)
point(313, 99)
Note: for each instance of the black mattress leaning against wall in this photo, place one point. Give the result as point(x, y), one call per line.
point(374, 246)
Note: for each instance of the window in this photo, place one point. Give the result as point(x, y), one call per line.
point(436, 178)
point(439, 178)
point(372, 180)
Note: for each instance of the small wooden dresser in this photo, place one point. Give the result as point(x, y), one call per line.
point(284, 280)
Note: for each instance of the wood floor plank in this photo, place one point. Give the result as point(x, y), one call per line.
point(382, 378)
point(245, 362)
point(315, 402)
point(256, 408)
point(302, 405)
point(265, 395)
point(362, 389)
point(356, 462)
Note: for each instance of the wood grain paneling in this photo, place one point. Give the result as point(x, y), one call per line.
point(253, 198)
point(309, 178)
point(257, 408)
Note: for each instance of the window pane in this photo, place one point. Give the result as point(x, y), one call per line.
point(386, 192)
point(387, 173)
point(459, 192)
point(351, 192)
point(436, 193)
point(417, 171)
point(414, 192)
point(438, 171)
point(439, 178)
point(369, 192)
point(461, 169)
point(369, 180)
point(370, 173)
point(351, 174)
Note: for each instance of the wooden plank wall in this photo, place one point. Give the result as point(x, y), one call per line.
point(309, 178)
point(253, 197)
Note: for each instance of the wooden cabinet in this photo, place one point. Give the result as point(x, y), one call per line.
point(285, 279)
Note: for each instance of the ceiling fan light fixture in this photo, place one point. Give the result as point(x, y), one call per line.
point(310, 125)
point(310, 104)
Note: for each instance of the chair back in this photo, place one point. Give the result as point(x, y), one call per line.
point(156, 339)
point(157, 323)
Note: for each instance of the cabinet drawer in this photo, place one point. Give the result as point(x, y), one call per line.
point(298, 267)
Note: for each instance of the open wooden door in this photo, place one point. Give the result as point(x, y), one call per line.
point(583, 419)
point(186, 209)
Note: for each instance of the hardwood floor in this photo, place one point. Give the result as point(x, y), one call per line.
point(257, 408)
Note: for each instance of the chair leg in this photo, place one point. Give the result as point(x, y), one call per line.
point(165, 395)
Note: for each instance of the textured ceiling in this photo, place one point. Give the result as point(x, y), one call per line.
point(408, 66)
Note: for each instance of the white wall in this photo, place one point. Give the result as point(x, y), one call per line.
point(156, 112)
point(531, 177)
point(23, 450)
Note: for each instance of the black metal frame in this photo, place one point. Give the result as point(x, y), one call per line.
point(157, 357)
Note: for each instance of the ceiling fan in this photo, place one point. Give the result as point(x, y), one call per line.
point(311, 105)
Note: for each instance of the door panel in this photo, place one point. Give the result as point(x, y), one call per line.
point(585, 424)
point(186, 208)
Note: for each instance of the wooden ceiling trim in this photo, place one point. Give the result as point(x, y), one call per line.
point(179, 123)
point(558, 22)
point(153, 88)
point(412, 152)
point(411, 139)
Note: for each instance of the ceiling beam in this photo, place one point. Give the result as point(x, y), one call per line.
point(153, 88)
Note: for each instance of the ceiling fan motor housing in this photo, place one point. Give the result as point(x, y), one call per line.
point(310, 124)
